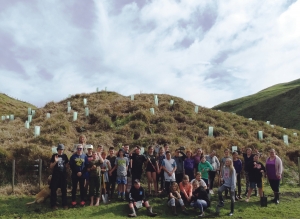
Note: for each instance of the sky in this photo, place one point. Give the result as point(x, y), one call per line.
point(204, 51)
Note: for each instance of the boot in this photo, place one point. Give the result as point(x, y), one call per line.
point(150, 213)
point(132, 214)
point(276, 198)
point(236, 197)
point(231, 209)
point(184, 210)
point(174, 210)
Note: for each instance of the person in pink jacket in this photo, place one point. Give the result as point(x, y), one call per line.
point(274, 170)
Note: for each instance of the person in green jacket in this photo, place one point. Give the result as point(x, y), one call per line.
point(203, 167)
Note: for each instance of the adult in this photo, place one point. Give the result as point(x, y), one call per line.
point(78, 164)
point(82, 140)
point(160, 174)
point(214, 162)
point(248, 159)
point(138, 199)
point(197, 157)
point(136, 164)
point(112, 175)
point(189, 165)
point(200, 198)
point(274, 170)
point(58, 164)
point(179, 162)
point(229, 177)
point(256, 170)
point(151, 170)
point(169, 166)
point(237, 164)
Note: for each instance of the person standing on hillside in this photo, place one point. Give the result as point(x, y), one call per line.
point(179, 165)
point(58, 164)
point(197, 158)
point(248, 159)
point(112, 174)
point(136, 164)
point(151, 170)
point(78, 164)
point(204, 167)
point(189, 165)
point(237, 164)
point(214, 162)
point(169, 166)
point(274, 170)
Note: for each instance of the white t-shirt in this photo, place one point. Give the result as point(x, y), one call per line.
point(201, 182)
point(169, 165)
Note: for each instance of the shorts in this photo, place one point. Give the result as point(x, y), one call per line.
point(122, 180)
point(150, 169)
point(253, 185)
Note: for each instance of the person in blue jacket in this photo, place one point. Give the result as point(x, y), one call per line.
point(78, 164)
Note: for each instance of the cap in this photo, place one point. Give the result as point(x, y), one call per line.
point(60, 147)
point(89, 146)
point(136, 181)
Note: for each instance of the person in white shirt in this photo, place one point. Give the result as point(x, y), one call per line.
point(169, 167)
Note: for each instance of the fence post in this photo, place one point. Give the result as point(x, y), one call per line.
point(13, 175)
point(40, 172)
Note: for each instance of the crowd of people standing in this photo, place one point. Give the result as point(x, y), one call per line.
point(187, 179)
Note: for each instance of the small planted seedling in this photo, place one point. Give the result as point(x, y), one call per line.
point(74, 116)
point(268, 122)
point(260, 135)
point(155, 96)
point(272, 126)
point(234, 148)
point(29, 110)
point(2, 118)
point(27, 124)
point(54, 150)
point(156, 101)
point(210, 131)
point(11, 117)
point(295, 134)
point(250, 119)
point(196, 109)
point(33, 112)
point(97, 89)
point(68, 104)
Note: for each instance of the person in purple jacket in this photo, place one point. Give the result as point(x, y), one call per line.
point(237, 163)
point(189, 165)
point(78, 164)
point(274, 171)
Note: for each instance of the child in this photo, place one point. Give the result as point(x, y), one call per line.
point(174, 198)
point(256, 170)
point(223, 160)
point(189, 164)
point(186, 189)
point(203, 167)
point(160, 173)
point(94, 173)
point(200, 198)
point(237, 163)
point(105, 167)
point(112, 175)
point(121, 164)
point(199, 180)
point(195, 185)
point(137, 199)
point(151, 169)
point(229, 176)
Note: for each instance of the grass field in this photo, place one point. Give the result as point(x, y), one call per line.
point(15, 207)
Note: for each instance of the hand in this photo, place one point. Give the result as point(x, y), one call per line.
point(56, 158)
point(170, 173)
point(278, 176)
point(262, 171)
point(79, 174)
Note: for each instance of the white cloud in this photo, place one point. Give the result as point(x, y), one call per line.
point(204, 51)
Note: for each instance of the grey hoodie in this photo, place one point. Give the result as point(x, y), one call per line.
point(229, 181)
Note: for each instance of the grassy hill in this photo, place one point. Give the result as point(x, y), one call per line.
point(10, 106)
point(278, 104)
point(115, 119)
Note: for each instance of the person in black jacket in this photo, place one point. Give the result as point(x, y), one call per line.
point(200, 199)
point(137, 199)
point(179, 162)
point(59, 164)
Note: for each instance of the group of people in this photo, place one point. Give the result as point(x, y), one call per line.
point(185, 178)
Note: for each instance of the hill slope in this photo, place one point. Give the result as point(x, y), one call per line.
point(115, 119)
point(278, 104)
point(10, 105)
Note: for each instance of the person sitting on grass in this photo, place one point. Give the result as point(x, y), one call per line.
point(186, 189)
point(137, 199)
point(175, 198)
point(199, 180)
point(94, 170)
point(200, 198)
point(121, 164)
point(229, 177)
point(256, 170)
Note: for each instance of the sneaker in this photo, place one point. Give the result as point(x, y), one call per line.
point(230, 214)
point(240, 197)
point(211, 192)
point(201, 215)
point(73, 204)
point(221, 204)
point(82, 203)
point(247, 200)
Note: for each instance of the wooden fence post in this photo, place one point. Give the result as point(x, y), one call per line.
point(40, 172)
point(13, 175)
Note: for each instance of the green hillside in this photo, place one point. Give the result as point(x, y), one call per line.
point(115, 119)
point(278, 104)
point(10, 106)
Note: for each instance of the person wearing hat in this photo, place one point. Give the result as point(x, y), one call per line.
point(58, 164)
point(137, 199)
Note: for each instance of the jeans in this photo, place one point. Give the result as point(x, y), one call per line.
point(75, 181)
point(172, 202)
point(201, 204)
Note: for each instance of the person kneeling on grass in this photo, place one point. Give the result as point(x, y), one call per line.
point(228, 175)
point(200, 198)
point(256, 170)
point(174, 198)
point(137, 199)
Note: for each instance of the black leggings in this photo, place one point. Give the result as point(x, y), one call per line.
point(111, 185)
point(212, 175)
point(274, 183)
point(58, 181)
point(75, 180)
point(238, 180)
point(160, 177)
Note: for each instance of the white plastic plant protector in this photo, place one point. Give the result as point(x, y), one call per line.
point(152, 111)
point(27, 124)
point(29, 110)
point(7, 117)
point(48, 115)
point(37, 131)
point(74, 116)
point(234, 148)
point(2, 118)
point(11, 117)
point(284, 128)
point(295, 134)
point(54, 150)
point(250, 119)
point(272, 126)
point(155, 96)
point(268, 122)
point(210, 131)
point(286, 139)
point(132, 97)
point(70, 96)
point(156, 101)
point(29, 118)
point(68, 104)
point(105, 88)
point(97, 89)
point(69, 109)
point(86, 111)
point(33, 112)
point(171, 102)
point(84, 101)
point(142, 150)
point(196, 109)
point(260, 135)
